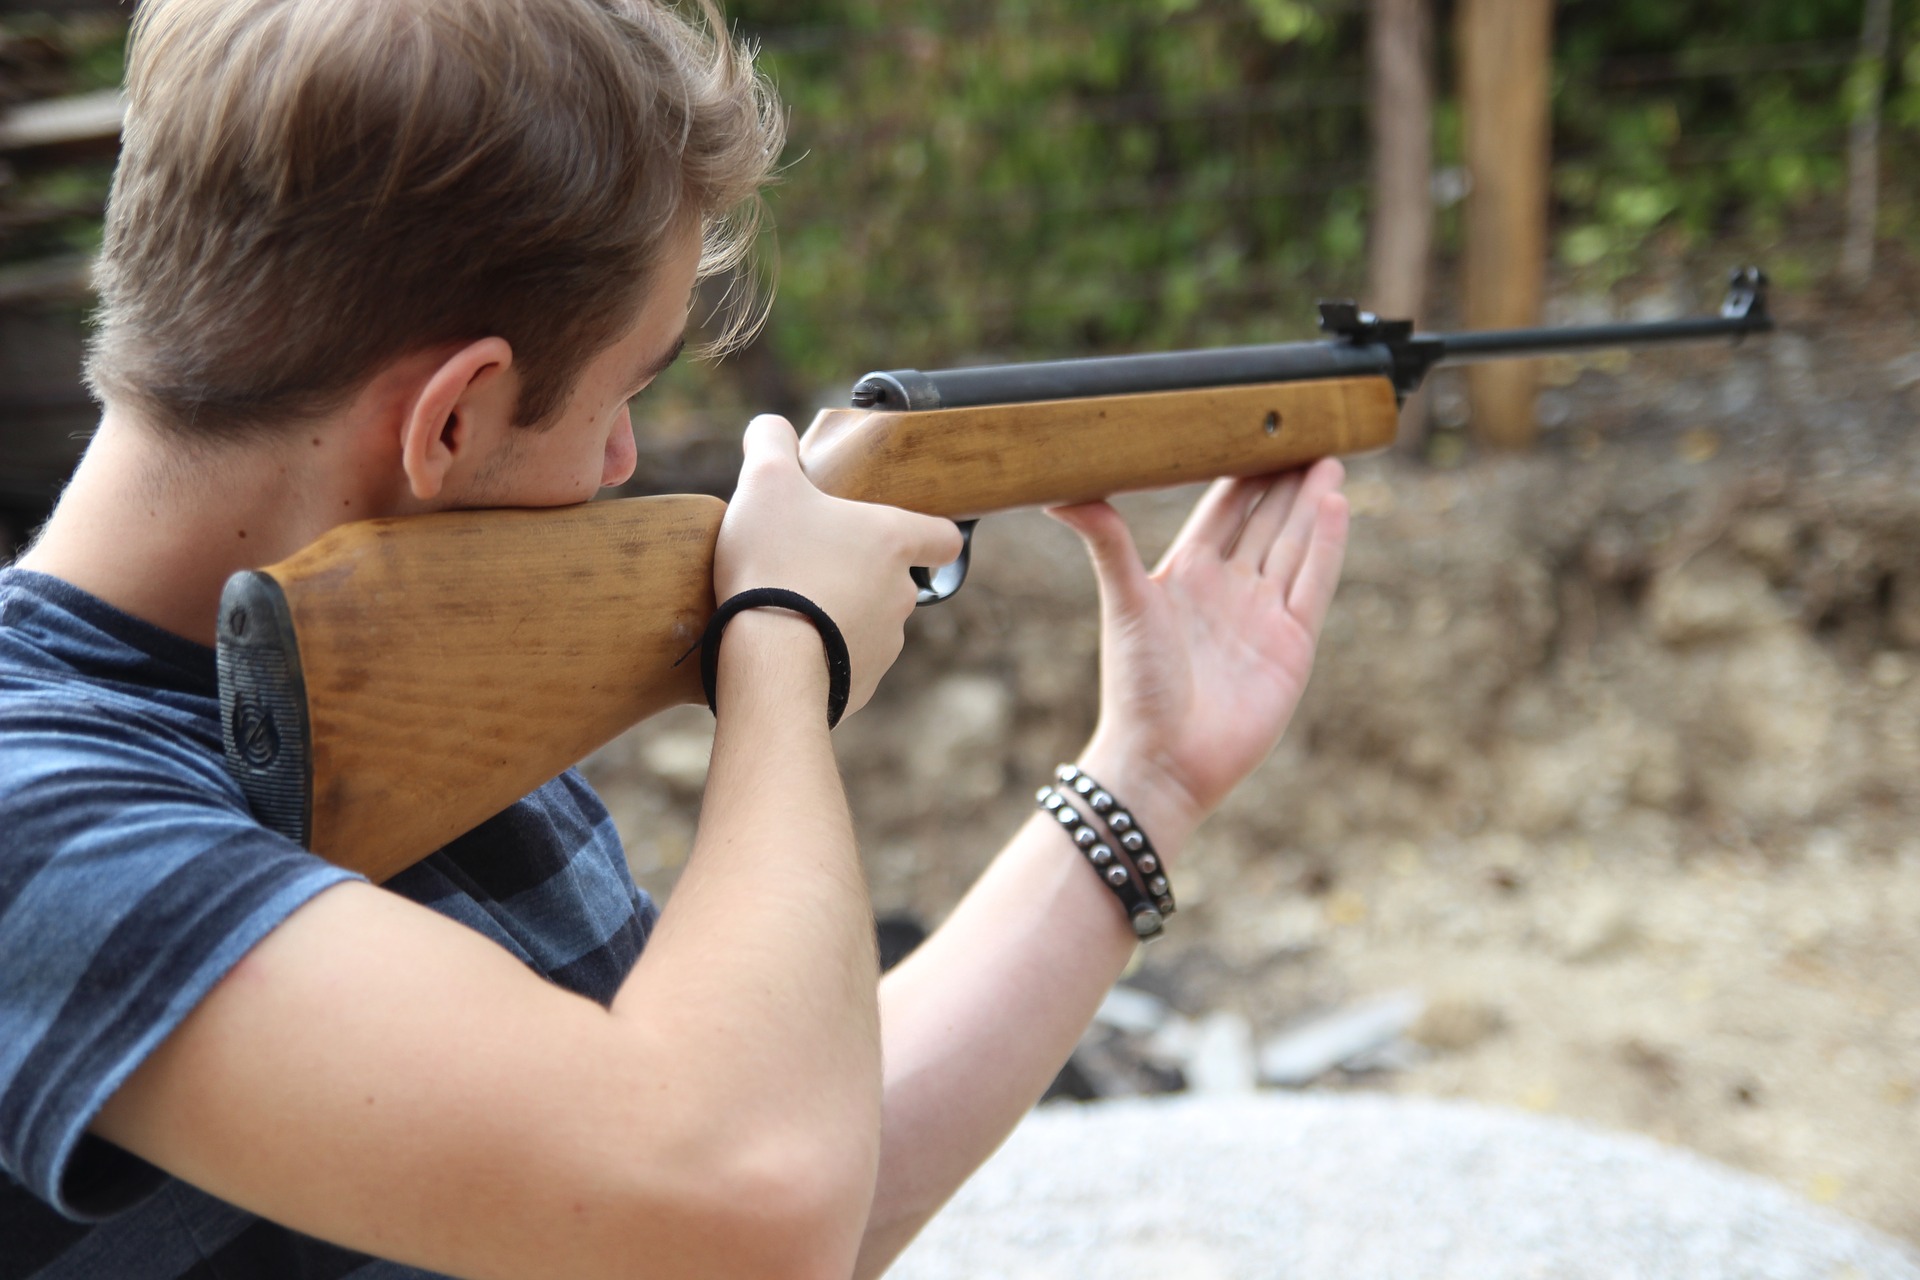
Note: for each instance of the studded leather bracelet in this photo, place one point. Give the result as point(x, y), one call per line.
point(1125, 859)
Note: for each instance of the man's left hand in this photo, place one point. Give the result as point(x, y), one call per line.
point(1204, 659)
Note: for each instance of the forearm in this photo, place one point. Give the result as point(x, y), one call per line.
point(762, 971)
point(983, 1015)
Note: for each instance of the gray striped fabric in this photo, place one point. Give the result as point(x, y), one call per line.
point(132, 878)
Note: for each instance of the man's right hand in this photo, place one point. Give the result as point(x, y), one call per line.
point(850, 558)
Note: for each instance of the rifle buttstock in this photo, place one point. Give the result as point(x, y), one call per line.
point(447, 665)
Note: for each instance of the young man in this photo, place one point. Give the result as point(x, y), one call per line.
point(374, 257)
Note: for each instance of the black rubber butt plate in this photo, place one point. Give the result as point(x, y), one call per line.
point(263, 705)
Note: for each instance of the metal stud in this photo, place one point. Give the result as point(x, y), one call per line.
point(1100, 801)
point(1066, 773)
point(1120, 820)
point(1147, 922)
point(1083, 784)
point(1086, 837)
point(1050, 799)
point(1133, 842)
point(1148, 864)
point(1117, 876)
point(1066, 816)
point(1100, 855)
point(1158, 884)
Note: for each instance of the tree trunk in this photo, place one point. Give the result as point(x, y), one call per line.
point(1868, 84)
point(1400, 252)
point(1506, 54)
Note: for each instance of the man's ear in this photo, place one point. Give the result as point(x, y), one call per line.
point(462, 412)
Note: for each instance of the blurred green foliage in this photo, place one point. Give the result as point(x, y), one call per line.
point(1016, 178)
point(1029, 177)
point(1060, 175)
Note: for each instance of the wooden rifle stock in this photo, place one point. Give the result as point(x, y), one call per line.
point(400, 681)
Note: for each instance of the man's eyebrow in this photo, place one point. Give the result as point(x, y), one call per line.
point(658, 365)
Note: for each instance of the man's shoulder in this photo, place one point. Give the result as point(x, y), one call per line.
point(55, 723)
point(100, 717)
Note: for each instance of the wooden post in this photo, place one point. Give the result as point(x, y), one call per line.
point(1400, 248)
point(1868, 87)
point(1506, 61)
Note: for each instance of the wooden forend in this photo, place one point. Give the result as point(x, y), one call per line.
point(971, 462)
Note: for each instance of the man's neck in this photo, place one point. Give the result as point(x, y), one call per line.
point(156, 533)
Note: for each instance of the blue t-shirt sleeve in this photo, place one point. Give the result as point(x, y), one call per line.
point(132, 878)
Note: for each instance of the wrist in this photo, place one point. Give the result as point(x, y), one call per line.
point(772, 655)
point(1164, 807)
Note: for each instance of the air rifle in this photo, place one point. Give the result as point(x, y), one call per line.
point(400, 681)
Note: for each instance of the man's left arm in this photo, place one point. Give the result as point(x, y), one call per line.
point(1202, 663)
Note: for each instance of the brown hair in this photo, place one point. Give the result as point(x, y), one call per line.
point(310, 189)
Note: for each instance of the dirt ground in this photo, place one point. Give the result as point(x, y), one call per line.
point(1613, 753)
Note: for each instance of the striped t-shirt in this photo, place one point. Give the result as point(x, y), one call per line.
point(132, 878)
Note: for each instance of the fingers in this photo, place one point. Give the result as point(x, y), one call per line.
point(1116, 561)
point(1326, 551)
point(1267, 519)
point(1280, 557)
point(1218, 516)
point(930, 540)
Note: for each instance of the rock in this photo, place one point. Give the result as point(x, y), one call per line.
point(1302, 1054)
point(1454, 1024)
point(1109, 1064)
point(1367, 1187)
point(1770, 539)
point(1888, 670)
point(1713, 598)
point(1661, 779)
point(678, 758)
point(1778, 700)
point(1601, 922)
point(1221, 1060)
point(1903, 614)
point(1904, 371)
point(958, 739)
point(1293, 927)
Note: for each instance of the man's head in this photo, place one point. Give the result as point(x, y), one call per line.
point(312, 190)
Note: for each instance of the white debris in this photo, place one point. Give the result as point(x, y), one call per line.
point(1132, 1012)
point(1302, 1054)
point(1221, 1059)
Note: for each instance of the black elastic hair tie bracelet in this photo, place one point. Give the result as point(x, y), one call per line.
point(839, 665)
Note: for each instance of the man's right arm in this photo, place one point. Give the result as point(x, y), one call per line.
point(376, 1075)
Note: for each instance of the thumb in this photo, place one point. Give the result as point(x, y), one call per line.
point(1116, 562)
point(771, 437)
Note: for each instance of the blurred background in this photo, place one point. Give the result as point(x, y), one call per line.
point(1606, 799)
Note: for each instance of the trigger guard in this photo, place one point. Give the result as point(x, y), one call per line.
point(941, 583)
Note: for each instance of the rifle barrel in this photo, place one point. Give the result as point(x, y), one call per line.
point(1495, 344)
point(1363, 345)
point(911, 389)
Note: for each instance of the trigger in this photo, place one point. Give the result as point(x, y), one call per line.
point(938, 584)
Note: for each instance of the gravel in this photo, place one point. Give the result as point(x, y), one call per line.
point(1359, 1186)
